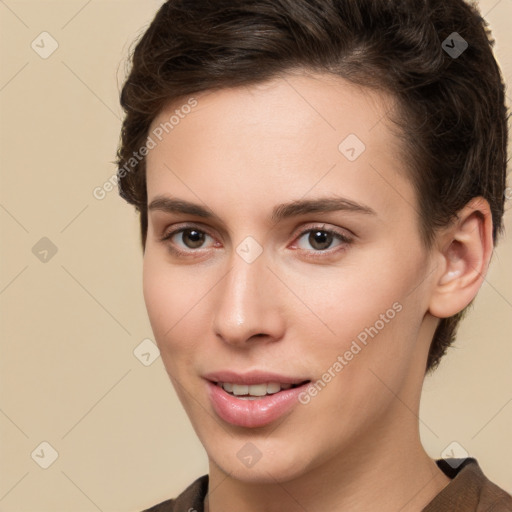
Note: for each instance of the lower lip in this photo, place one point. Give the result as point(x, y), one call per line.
point(253, 413)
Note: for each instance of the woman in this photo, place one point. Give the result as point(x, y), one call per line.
point(320, 186)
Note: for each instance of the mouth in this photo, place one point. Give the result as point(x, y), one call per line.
point(253, 399)
point(256, 391)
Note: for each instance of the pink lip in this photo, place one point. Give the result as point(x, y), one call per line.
point(252, 413)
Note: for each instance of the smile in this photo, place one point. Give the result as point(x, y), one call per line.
point(254, 391)
point(254, 399)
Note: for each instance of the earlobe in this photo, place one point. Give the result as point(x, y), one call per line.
point(465, 251)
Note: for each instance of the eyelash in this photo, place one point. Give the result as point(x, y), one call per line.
point(313, 253)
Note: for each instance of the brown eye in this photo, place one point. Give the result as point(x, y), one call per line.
point(192, 238)
point(320, 240)
point(185, 239)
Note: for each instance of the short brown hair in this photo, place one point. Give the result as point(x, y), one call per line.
point(452, 114)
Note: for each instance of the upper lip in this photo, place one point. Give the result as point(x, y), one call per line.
point(252, 377)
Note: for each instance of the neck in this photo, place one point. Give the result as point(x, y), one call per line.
point(385, 470)
point(406, 479)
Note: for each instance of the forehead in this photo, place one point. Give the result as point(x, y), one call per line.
point(286, 105)
point(286, 136)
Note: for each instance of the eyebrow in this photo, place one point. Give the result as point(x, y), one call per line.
point(279, 212)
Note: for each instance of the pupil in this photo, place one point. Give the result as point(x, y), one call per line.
point(195, 237)
point(320, 239)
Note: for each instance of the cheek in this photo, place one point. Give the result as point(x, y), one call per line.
point(158, 294)
point(167, 299)
point(351, 297)
point(370, 313)
point(175, 299)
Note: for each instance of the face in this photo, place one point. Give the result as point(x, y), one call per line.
point(283, 259)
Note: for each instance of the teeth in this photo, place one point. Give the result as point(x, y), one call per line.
point(274, 387)
point(240, 389)
point(257, 390)
point(254, 389)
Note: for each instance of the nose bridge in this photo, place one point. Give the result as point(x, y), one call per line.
point(247, 301)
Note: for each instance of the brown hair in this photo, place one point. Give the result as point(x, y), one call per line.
point(452, 114)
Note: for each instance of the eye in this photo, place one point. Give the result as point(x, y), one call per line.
point(321, 239)
point(186, 239)
point(318, 241)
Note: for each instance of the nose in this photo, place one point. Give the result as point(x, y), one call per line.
point(248, 306)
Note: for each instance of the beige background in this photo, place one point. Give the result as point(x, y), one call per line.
point(69, 376)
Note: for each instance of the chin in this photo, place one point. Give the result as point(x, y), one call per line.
point(271, 463)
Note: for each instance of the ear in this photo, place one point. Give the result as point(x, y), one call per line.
point(464, 251)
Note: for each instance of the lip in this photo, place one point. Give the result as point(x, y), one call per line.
point(252, 377)
point(252, 413)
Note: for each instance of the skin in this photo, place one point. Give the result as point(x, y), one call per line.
point(239, 153)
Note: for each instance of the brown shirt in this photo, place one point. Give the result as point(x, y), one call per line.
point(468, 491)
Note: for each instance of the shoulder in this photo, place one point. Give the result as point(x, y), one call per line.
point(469, 490)
point(190, 500)
point(494, 498)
